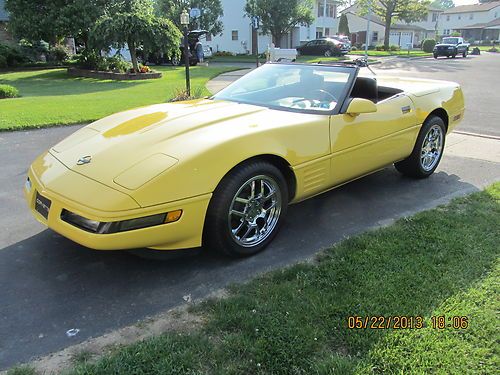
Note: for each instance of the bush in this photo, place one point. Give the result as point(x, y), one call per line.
point(118, 65)
point(3, 62)
point(35, 51)
point(58, 54)
point(11, 56)
point(90, 60)
point(428, 45)
point(223, 53)
point(380, 47)
point(493, 49)
point(7, 91)
point(394, 47)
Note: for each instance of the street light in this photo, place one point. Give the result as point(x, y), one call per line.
point(185, 23)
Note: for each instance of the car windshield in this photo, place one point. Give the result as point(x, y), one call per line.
point(450, 40)
point(298, 87)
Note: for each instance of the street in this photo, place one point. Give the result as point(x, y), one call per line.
point(50, 284)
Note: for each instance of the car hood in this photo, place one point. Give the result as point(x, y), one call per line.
point(445, 45)
point(139, 141)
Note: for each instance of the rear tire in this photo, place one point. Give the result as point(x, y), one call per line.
point(427, 152)
point(435, 56)
point(328, 53)
point(246, 210)
point(464, 54)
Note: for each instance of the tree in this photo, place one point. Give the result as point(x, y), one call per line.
point(211, 11)
point(390, 10)
point(443, 4)
point(344, 25)
point(51, 20)
point(278, 17)
point(134, 23)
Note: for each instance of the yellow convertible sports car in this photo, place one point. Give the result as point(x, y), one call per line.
point(221, 171)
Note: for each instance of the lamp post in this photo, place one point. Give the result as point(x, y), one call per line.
point(185, 23)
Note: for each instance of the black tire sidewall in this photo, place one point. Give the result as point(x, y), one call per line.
point(216, 234)
point(412, 166)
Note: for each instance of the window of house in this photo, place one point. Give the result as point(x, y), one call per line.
point(319, 33)
point(471, 16)
point(435, 16)
point(459, 16)
point(234, 35)
point(448, 17)
point(209, 37)
point(375, 36)
point(330, 9)
point(327, 31)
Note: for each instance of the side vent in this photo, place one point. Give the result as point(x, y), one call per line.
point(315, 176)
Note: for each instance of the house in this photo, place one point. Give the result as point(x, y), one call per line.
point(474, 22)
point(402, 34)
point(5, 36)
point(238, 37)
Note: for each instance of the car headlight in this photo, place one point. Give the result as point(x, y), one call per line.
point(119, 226)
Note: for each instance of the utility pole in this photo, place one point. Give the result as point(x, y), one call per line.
point(185, 23)
point(368, 30)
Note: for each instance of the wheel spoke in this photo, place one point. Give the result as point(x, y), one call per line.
point(241, 200)
point(237, 213)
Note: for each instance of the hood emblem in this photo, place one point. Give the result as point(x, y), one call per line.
point(84, 160)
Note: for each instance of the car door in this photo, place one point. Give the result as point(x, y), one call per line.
point(310, 47)
point(366, 142)
point(321, 47)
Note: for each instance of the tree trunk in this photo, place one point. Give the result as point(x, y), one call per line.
point(133, 55)
point(277, 39)
point(388, 21)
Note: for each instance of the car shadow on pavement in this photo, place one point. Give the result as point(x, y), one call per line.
point(50, 284)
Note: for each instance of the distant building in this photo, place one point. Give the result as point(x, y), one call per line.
point(5, 36)
point(474, 22)
point(237, 36)
point(402, 34)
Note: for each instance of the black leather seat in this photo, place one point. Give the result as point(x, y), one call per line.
point(365, 88)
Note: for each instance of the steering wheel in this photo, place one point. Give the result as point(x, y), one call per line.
point(324, 92)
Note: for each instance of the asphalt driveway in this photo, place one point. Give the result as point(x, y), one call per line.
point(50, 285)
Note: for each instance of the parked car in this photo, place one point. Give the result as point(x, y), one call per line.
point(344, 39)
point(451, 47)
point(221, 171)
point(324, 47)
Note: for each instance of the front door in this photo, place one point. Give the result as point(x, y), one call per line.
point(370, 141)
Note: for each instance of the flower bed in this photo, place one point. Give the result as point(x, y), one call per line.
point(76, 72)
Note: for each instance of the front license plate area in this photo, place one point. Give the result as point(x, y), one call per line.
point(42, 205)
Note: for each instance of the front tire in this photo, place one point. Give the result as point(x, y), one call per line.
point(464, 54)
point(246, 210)
point(435, 55)
point(328, 53)
point(427, 152)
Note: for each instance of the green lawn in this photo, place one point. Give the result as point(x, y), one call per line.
point(403, 53)
point(484, 48)
point(51, 97)
point(443, 262)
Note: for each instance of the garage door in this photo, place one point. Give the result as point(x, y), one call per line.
point(400, 38)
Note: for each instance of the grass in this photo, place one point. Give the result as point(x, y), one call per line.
point(402, 53)
point(51, 97)
point(294, 321)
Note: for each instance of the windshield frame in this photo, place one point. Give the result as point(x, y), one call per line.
point(348, 68)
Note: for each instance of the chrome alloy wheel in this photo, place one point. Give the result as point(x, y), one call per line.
point(432, 147)
point(255, 211)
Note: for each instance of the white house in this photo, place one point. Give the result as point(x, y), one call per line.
point(402, 34)
point(477, 21)
point(237, 36)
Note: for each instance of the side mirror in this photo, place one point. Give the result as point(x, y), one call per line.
point(359, 105)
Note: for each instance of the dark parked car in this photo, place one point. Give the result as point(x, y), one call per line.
point(451, 47)
point(324, 47)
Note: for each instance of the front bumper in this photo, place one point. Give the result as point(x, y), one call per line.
point(59, 185)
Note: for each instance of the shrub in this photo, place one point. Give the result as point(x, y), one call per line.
point(380, 47)
point(428, 45)
point(7, 91)
point(118, 65)
point(90, 60)
point(223, 53)
point(11, 55)
point(58, 54)
point(3, 62)
point(394, 47)
point(493, 49)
